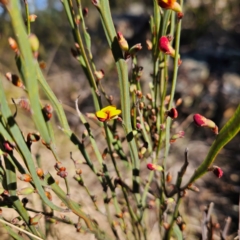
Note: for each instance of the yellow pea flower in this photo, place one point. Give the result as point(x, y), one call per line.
point(170, 4)
point(108, 113)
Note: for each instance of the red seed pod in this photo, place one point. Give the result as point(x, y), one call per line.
point(47, 112)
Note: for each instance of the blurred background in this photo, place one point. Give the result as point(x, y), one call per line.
point(208, 81)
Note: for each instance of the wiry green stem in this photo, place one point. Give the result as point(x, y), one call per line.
point(103, 8)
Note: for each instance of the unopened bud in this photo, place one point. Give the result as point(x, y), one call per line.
point(149, 97)
point(34, 220)
point(201, 121)
point(8, 146)
point(13, 44)
point(166, 225)
point(85, 12)
point(149, 44)
point(122, 42)
point(141, 105)
point(139, 94)
point(216, 170)
point(172, 113)
point(169, 177)
point(153, 167)
point(26, 191)
point(165, 46)
point(47, 112)
point(146, 126)
point(34, 44)
point(14, 79)
point(135, 49)
point(48, 195)
point(193, 188)
point(25, 177)
point(99, 74)
point(40, 172)
point(169, 200)
point(179, 102)
point(176, 136)
point(32, 17)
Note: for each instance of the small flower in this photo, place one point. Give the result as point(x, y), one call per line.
point(122, 42)
point(165, 46)
point(108, 113)
point(170, 4)
point(153, 167)
point(216, 170)
point(201, 121)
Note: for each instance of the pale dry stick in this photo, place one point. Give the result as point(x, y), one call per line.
point(20, 229)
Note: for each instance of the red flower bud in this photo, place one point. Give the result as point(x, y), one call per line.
point(201, 121)
point(172, 113)
point(216, 170)
point(47, 112)
point(165, 46)
point(122, 42)
point(153, 167)
point(8, 147)
point(15, 80)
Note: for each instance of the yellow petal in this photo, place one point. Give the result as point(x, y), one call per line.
point(108, 109)
point(102, 116)
point(114, 113)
